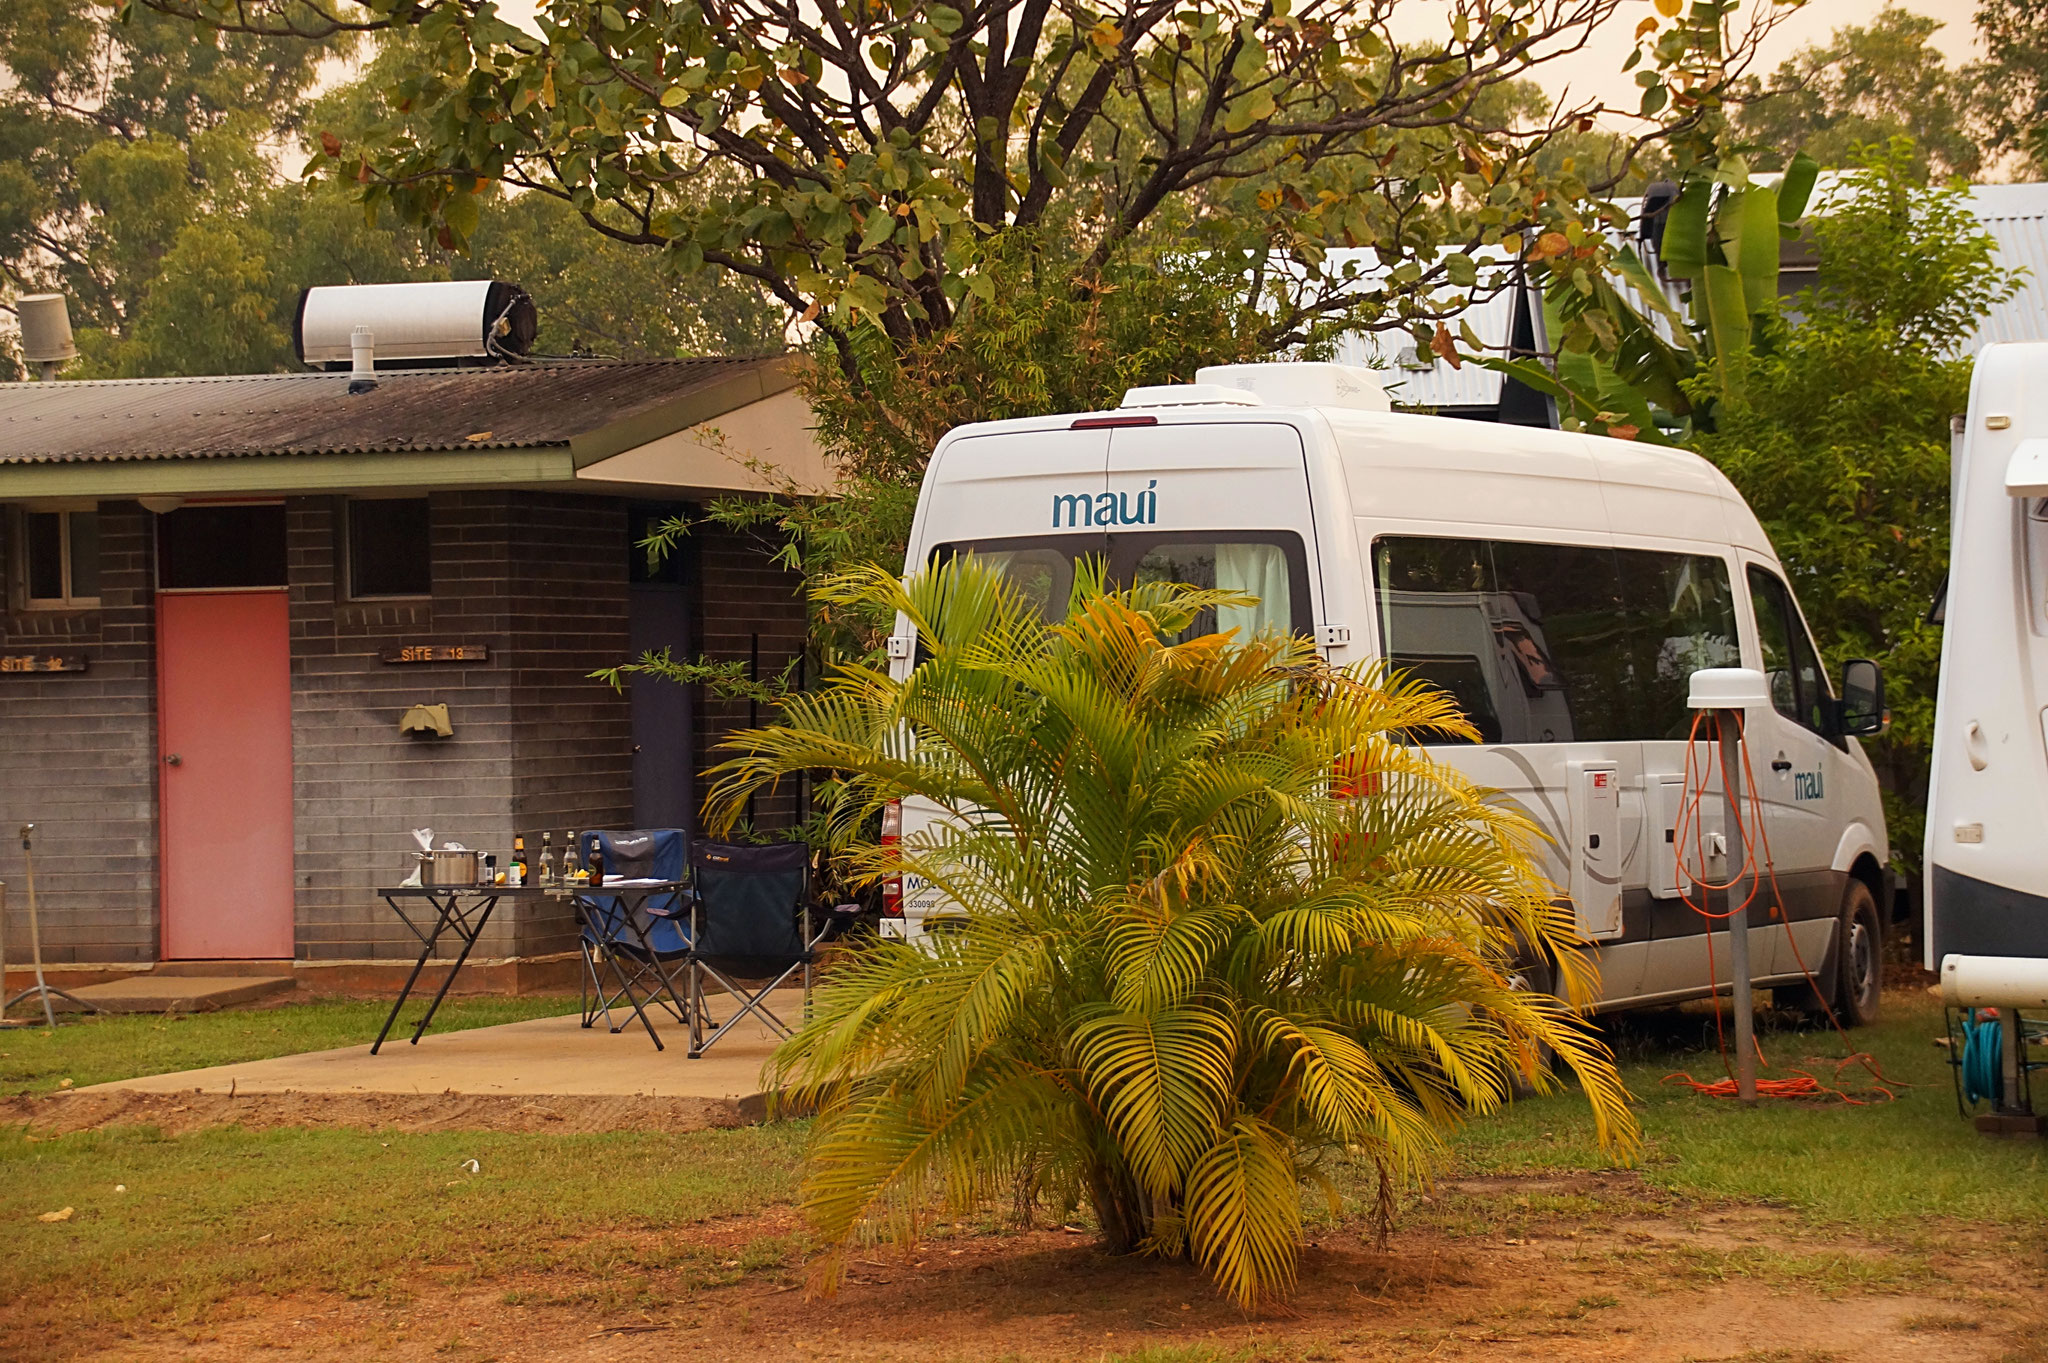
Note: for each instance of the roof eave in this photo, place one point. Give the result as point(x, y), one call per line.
point(295, 474)
point(771, 376)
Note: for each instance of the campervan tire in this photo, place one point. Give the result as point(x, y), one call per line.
point(1859, 958)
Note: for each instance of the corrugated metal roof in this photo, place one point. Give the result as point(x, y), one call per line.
point(2017, 217)
point(1438, 386)
point(239, 416)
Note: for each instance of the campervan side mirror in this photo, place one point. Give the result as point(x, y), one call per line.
point(1861, 708)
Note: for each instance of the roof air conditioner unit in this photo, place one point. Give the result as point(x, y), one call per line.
point(1189, 395)
point(1303, 383)
point(429, 324)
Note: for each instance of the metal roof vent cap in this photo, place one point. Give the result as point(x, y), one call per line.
point(1190, 395)
point(46, 342)
point(362, 346)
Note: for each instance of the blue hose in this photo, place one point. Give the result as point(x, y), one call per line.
point(1983, 1052)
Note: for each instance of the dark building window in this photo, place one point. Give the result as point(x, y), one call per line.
point(390, 547)
point(1553, 643)
point(202, 547)
point(60, 558)
point(664, 561)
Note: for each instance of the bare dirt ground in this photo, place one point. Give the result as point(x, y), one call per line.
point(178, 1114)
point(1659, 1282)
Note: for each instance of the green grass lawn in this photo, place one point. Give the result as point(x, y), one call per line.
point(95, 1049)
point(1910, 1161)
point(222, 1213)
point(228, 1212)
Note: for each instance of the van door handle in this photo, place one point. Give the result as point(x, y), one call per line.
point(1781, 763)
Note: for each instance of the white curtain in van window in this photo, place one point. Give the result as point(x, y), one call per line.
point(1258, 570)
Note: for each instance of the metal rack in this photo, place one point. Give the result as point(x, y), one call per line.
point(2011, 1100)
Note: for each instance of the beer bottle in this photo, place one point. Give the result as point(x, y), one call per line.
point(517, 870)
point(547, 859)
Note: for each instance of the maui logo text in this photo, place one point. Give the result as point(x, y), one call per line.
point(1806, 785)
point(1106, 508)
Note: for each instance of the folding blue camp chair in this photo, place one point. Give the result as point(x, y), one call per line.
point(633, 945)
point(749, 917)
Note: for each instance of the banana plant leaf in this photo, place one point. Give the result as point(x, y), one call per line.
point(1656, 360)
point(1794, 191)
point(1684, 250)
point(1590, 391)
point(1727, 324)
point(1749, 222)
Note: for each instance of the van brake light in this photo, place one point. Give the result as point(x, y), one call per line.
point(1106, 423)
point(892, 836)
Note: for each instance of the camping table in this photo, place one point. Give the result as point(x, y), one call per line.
point(591, 920)
point(460, 909)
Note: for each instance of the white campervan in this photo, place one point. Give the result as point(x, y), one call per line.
point(1562, 587)
point(1987, 796)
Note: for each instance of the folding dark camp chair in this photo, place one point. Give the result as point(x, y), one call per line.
point(633, 945)
point(749, 920)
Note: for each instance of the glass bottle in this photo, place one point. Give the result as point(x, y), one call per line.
point(547, 860)
point(570, 857)
point(515, 873)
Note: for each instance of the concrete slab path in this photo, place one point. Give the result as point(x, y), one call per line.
point(544, 1056)
point(157, 993)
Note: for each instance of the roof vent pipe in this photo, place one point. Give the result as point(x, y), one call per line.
point(46, 343)
point(362, 349)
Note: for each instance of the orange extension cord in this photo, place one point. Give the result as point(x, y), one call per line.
point(1799, 1084)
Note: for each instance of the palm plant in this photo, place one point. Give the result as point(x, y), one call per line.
point(1218, 920)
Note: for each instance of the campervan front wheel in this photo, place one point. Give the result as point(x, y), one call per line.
point(1859, 961)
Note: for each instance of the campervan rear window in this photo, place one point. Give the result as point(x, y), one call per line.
point(1272, 566)
point(1555, 643)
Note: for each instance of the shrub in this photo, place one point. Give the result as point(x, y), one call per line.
point(1218, 921)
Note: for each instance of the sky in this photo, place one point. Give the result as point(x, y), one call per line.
point(1596, 71)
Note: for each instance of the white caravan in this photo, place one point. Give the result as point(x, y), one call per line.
point(1562, 587)
point(1987, 797)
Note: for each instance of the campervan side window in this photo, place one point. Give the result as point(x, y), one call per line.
point(1272, 566)
point(1799, 684)
point(1681, 616)
point(1555, 643)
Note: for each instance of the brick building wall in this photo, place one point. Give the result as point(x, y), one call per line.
point(358, 784)
point(538, 745)
point(540, 579)
point(78, 757)
point(572, 736)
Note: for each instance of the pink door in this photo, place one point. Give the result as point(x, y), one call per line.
point(225, 726)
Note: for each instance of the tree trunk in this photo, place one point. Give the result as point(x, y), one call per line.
point(1119, 1208)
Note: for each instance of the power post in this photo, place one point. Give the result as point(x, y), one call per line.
point(1729, 692)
